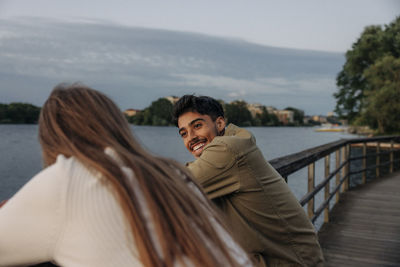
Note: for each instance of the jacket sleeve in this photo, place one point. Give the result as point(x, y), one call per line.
point(216, 170)
point(30, 220)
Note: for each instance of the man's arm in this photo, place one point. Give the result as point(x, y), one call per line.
point(216, 171)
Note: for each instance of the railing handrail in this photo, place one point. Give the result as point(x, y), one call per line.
point(291, 163)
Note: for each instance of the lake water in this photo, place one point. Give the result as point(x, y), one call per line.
point(20, 156)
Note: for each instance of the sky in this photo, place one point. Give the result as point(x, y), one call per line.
point(277, 53)
point(330, 25)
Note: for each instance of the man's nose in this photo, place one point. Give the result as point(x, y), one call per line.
point(192, 135)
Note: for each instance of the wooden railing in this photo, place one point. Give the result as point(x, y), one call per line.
point(343, 172)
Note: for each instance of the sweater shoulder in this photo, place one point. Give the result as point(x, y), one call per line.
point(235, 138)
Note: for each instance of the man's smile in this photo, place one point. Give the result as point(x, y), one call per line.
point(197, 144)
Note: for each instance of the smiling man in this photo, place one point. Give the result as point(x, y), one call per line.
point(257, 204)
point(204, 126)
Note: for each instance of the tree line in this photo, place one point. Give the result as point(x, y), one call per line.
point(19, 113)
point(369, 82)
point(160, 113)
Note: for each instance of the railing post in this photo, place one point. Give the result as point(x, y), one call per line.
point(337, 174)
point(311, 184)
point(348, 156)
point(364, 163)
point(391, 156)
point(378, 159)
point(345, 174)
point(327, 170)
point(344, 158)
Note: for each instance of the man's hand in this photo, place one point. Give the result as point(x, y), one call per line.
point(2, 203)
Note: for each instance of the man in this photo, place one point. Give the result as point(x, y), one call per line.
point(259, 207)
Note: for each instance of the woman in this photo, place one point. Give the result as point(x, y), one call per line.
point(102, 200)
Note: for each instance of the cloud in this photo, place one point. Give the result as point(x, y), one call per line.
point(227, 84)
point(137, 65)
point(270, 86)
point(239, 94)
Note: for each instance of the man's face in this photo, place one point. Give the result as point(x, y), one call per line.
point(198, 130)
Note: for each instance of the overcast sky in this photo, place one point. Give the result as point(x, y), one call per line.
point(138, 51)
point(307, 24)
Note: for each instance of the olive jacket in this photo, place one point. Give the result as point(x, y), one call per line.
point(261, 211)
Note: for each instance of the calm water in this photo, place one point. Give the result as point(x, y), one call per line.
point(20, 156)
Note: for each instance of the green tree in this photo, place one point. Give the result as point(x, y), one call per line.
point(238, 113)
point(3, 110)
point(19, 113)
point(161, 112)
point(351, 80)
point(382, 105)
point(147, 117)
point(266, 119)
point(274, 120)
point(158, 113)
point(357, 84)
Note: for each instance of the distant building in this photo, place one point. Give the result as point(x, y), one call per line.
point(131, 112)
point(330, 114)
point(271, 110)
point(285, 116)
point(255, 109)
point(319, 118)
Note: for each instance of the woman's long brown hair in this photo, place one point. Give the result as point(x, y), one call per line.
point(81, 122)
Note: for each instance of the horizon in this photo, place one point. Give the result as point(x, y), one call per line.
point(166, 97)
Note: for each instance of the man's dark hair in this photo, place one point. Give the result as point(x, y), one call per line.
point(204, 105)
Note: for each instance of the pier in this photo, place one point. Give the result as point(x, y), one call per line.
point(361, 204)
point(364, 229)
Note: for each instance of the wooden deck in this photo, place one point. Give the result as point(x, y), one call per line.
point(364, 227)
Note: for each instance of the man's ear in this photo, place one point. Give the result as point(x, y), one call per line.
point(220, 122)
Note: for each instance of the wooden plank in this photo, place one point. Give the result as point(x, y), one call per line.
point(364, 163)
point(378, 161)
point(347, 168)
point(344, 170)
point(391, 156)
point(310, 188)
point(364, 227)
point(327, 193)
point(337, 156)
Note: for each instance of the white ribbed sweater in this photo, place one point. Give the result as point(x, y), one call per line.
point(66, 215)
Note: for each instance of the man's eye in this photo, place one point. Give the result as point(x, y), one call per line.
point(197, 125)
point(183, 134)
